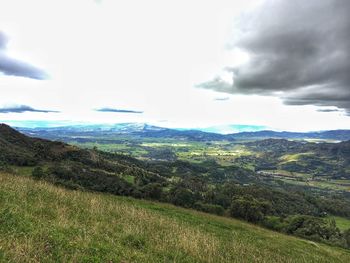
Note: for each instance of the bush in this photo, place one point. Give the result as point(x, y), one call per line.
point(182, 197)
point(152, 191)
point(249, 208)
point(38, 173)
point(80, 176)
point(274, 222)
point(346, 236)
point(309, 227)
point(209, 208)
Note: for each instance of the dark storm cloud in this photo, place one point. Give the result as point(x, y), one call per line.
point(22, 109)
point(217, 84)
point(299, 50)
point(14, 67)
point(328, 110)
point(118, 110)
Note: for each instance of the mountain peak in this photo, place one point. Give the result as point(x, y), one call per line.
point(8, 133)
point(4, 126)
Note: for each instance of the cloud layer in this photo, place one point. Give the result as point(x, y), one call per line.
point(118, 110)
point(22, 109)
point(14, 67)
point(299, 51)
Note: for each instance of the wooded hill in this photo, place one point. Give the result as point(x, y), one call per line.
point(231, 191)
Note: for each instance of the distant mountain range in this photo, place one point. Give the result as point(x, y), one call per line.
point(340, 135)
point(139, 130)
point(145, 130)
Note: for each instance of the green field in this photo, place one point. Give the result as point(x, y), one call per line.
point(40, 222)
point(293, 157)
point(221, 151)
point(225, 153)
point(342, 223)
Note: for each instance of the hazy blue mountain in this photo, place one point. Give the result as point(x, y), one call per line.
point(341, 135)
point(140, 130)
point(144, 130)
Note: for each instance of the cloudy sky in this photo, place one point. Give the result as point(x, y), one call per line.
point(282, 65)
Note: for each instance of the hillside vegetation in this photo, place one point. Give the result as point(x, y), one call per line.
point(232, 191)
point(40, 222)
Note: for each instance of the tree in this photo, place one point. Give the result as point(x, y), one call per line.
point(182, 197)
point(152, 191)
point(249, 208)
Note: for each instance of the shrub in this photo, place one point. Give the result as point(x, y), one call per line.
point(182, 197)
point(209, 208)
point(152, 191)
point(249, 208)
point(38, 172)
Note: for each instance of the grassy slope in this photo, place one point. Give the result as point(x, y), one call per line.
point(342, 223)
point(40, 222)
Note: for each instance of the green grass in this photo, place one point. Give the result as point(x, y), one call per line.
point(305, 179)
point(294, 157)
point(22, 170)
point(124, 148)
point(222, 151)
point(287, 173)
point(40, 222)
point(129, 178)
point(342, 223)
point(329, 185)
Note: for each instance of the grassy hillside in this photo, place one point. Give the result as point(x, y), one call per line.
point(40, 222)
point(205, 186)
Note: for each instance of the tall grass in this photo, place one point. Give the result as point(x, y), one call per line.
point(40, 222)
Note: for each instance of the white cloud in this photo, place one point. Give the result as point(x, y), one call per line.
point(136, 55)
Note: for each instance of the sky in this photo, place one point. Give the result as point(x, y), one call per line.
point(263, 64)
